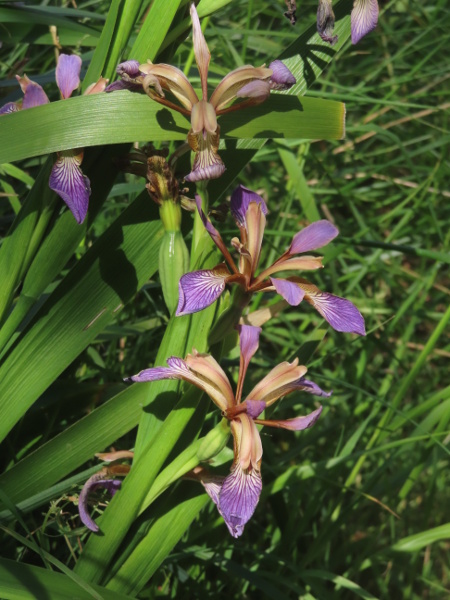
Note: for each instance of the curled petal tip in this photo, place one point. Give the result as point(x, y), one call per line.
point(129, 67)
point(282, 78)
point(364, 18)
point(69, 182)
point(93, 483)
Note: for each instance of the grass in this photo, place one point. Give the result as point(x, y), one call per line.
point(341, 500)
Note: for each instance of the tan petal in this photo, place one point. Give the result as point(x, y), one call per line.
point(247, 442)
point(205, 368)
point(279, 382)
point(255, 221)
point(173, 80)
point(201, 51)
point(299, 263)
point(227, 89)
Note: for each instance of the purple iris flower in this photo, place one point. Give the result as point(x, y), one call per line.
point(94, 483)
point(251, 83)
point(364, 19)
point(199, 289)
point(237, 495)
point(66, 178)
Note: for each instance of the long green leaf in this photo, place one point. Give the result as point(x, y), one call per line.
point(129, 117)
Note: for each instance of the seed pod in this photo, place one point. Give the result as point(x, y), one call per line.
point(173, 263)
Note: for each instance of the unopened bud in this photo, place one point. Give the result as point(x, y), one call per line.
point(173, 263)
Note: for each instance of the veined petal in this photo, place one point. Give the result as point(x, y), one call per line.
point(257, 90)
point(177, 369)
point(121, 84)
point(340, 313)
point(240, 201)
point(68, 181)
point(240, 491)
point(9, 107)
point(325, 22)
point(205, 367)
point(228, 88)
point(281, 380)
point(364, 18)
point(33, 94)
point(282, 78)
point(173, 80)
point(314, 236)
point(248, 342)
point(93, 483)
point(201, 51)
point(296, 424)
point(288, 290)
point(68, 74)
point(207, 163)
point(200, 289)
point(239, 497)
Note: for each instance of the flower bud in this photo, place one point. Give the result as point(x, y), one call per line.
point(173, 263)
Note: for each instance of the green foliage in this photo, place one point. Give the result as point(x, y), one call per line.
point(354, 507)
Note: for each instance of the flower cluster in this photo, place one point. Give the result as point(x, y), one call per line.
point(237, 494)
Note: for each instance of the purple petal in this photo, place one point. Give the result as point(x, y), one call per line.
point(93, 483)
point(298, 423)
point(325, 22)
point(255, 408)
point(340, 313)
point(282, 78)
point(124, 85)
point(240, 200)
point(200, 289)
point(290, 291)
point(177, 369)
point(257, 90)
point(129, 67)
point(33, 94)
point(68, 74)
point(68, 181)
point(212, 486)
point(364, 18)
point(9, 107)
point(239, 497)
point(314, 236)
point(312, 388)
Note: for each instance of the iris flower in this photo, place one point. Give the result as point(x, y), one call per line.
point(248, 82)
point(237, 495)
point(364, 19)
point(199, 289)
point(66, 178)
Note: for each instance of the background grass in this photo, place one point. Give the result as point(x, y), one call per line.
point(340, 500)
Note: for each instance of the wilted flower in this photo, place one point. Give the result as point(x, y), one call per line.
point(248, 82)
point(199, 289)
point(102, 480)
point(66, 178)
point(364, 19)
point(237, 495)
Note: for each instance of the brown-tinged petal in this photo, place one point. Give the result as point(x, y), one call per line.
point(230, 85)
point(199, 289)
point(206, 368)
point(281, 380)
point(173, 80)
point(207, 163)
point(33, 94)
point(201, 51)
point(296, 424)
